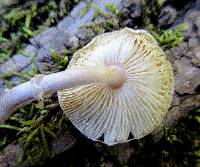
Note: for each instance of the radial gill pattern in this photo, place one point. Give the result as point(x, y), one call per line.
point(136, 108)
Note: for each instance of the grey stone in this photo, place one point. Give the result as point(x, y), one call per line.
point(30, 50)
point(85, 34)
point(12, 152)
point(127, 22)
point(72, 43)
point(76, 11)
point(43, 55)
point(17, 63)
point(2, 86)
point(65, 23)
point(128, 3)
point(136, 11)
point(11, 155)
point(62, 143)
point(43, 60)
point(123, 152)
point(15, 80)
point(56, 43)
point(167, 16)
point(196, 59)
point(57, 37)
point(44, 37)
point(193, 43)
point(187, 81)
point(176, 99)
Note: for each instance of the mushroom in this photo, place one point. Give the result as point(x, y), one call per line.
point(135, 90)
point(118, 84)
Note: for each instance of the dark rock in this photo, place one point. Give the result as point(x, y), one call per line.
point(193, 43)
point(128, 3)
point(3, 162)
point(2, 86)
point(43, 55)
point(63, 143)
point(30, 50)
point(18, 61)
point(136, 11)
point(185, 60)
point(85, 34)
point(123, 152)
point(196, 59)
point(59, 37)
point(176, 99)
point(167, 16)
point(187, 80)
point(11, 155)
point(126, 12)
point(45, 37)
point(65, 23)
point(72, 43)
point(43, 60)
point(128, 22)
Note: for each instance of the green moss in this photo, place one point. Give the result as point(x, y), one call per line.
point(4, 126)
point(34, 128)
point(67, 52)
point(113, 8)
point(111, 20)
point(59, 59)
point(15, 15)
point(181, 143)
point(197, 153)
point(85, 8)
point(24, 76)
point(99, 11)
point(36, 145)
point(169, 38)
point(4, 55)
point(98, 30)
point(27, 19)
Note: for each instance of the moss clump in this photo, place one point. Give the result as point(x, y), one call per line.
point(26, 19)
point(111, 20)
point(181, 143)
point(169, 38)
point(34, 127)
point(62, 59)
point(23, 76)
point(179, 147)
point(86, 8)
point(99, 12)
point(113, 9)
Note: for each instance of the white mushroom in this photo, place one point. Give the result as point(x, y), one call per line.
point(131, 89)
point(119, 84)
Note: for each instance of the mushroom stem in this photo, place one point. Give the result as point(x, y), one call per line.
point(42, 86)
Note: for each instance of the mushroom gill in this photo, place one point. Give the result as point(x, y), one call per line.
point(137, 105)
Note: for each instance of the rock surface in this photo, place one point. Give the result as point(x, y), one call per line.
point(11, 154)
point(167, 16)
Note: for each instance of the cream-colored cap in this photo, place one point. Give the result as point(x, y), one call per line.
point(137, 107)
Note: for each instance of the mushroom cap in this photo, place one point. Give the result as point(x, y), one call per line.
point(138, 107)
